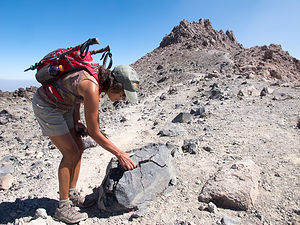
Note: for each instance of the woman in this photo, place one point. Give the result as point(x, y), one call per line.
point(60, 120)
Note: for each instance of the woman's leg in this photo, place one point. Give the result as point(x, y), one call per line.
point(71, 160)
point(75, 174)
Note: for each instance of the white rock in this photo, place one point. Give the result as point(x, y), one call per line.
point(6, 181)
point(39, 155)
point(41, 213)
point(249, 91)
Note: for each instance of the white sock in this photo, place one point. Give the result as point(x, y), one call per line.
point(62, 202)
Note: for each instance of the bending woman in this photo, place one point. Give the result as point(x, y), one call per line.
point(60, 120)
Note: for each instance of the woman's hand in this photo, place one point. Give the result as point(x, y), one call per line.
point(125, 161)
point(80, 129)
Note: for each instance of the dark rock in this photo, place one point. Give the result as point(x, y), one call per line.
point(298, 124)
point(172, 90)
point(297, 211)
point(163, 96)
point(159, 67)
point(268, 54)
point(162, 79)
point(182, 118)
point(207, 148)
point(3, 120)
point(5, 117)
point(198, 112)
point(190, 146)
point(126, 190)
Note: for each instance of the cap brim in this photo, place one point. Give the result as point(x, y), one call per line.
point(132, 96)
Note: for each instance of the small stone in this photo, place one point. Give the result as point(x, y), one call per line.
point(298, 124)
point(202, 206)
point(297, 211)
point(41, 213)
point(182, 118)
point(212, 207)
point(230, 220)
point(190, 146)
point(207, 148)
point(198, 112)
point(133, 216)
point(19, 221)
point(249, 91)
point(39, 155)
point(159, 67)
point(6, 181)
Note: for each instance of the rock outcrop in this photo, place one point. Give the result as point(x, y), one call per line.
point(200, 34)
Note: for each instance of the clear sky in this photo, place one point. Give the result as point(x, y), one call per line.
point(29, 29)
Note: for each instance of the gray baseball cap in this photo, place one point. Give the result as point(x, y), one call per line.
point(129, 78)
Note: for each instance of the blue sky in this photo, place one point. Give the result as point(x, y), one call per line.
point(29, 29)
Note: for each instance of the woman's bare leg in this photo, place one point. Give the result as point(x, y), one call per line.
point(71, 156)
point(75, 174)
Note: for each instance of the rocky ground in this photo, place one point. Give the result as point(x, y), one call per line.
point(247, 116)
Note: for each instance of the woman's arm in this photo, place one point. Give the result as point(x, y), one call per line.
point(90, 93)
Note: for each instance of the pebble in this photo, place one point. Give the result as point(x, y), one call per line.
point(212, 208)
point(202, 206)
point(39, 155)
point(6, 181)
point(41, 213)
point(230, 220)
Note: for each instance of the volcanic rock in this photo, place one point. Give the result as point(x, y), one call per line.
point(126, 190)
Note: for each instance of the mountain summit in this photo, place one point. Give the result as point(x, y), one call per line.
point(200, 34)
point(196, 47)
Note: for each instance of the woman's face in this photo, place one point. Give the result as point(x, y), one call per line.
point(113, 96)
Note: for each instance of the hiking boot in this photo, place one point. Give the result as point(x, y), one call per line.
point(67, 213)
point(80, 201)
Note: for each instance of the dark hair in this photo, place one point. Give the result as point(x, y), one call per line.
point(108, 81)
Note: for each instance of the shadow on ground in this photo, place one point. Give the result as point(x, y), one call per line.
point(10, 211)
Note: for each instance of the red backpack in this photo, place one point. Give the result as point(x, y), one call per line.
point(62, 61)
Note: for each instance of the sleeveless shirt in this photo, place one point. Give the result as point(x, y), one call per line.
point(70, 95)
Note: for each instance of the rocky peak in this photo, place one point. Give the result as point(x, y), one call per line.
point(200, 34)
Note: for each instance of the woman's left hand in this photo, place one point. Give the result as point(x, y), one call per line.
point(125, 161)
point(80, 129)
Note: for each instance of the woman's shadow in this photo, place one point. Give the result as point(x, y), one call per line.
point(10, 211)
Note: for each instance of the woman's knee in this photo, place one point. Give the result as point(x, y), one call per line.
point(73, 154)
point(68, 147)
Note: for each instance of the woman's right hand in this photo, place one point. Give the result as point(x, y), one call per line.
point(125, 161)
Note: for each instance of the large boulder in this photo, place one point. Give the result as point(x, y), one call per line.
point(235, 186)
point(127, 190)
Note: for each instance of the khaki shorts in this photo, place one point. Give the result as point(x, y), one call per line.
point(53, 121)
